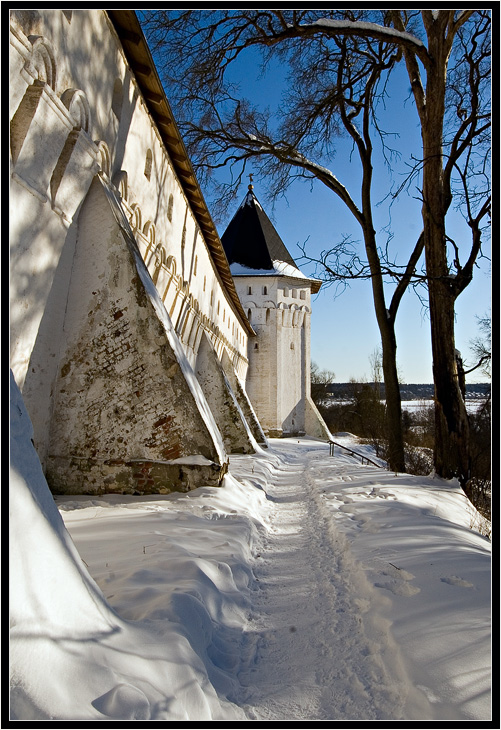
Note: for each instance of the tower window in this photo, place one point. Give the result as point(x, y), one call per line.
point(249, 290)
point(265, 290)
point(302, 294)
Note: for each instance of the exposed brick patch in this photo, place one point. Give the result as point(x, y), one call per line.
point(124, 408)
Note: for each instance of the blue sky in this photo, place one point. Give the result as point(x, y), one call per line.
point(344, 332)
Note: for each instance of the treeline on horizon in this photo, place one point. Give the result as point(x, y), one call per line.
point(408, 391)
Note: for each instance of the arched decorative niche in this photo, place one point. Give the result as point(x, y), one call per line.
point(120, 181)
point(135, 217)
point(103, 157)
point(42, 63)
point(77, 105)
point(160, 255)
point(159, 261)
point(171, 265)
point(149, 232)
point(40, 66)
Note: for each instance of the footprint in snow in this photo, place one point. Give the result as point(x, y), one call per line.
point(454, 580)
point(399, 584)
point(399, 588)
point(124, 702)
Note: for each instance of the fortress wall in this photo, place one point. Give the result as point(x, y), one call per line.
point(129, 414)
point(76, 108)
point(77, 111)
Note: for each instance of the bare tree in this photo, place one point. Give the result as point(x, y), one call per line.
point(340, 63)
point(481, 347)
point(455, 119)
point(320, 381)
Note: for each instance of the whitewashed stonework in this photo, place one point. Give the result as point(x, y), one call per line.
point(129, 341)
point(88, 115)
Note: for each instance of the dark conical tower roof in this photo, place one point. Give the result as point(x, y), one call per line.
point(251, 239)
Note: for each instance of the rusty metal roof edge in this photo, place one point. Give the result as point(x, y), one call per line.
point(137, 51)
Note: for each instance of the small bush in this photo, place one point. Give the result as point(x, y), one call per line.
point(418, 460)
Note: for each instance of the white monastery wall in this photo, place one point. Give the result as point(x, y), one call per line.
point(77, 111)
point(118, 137)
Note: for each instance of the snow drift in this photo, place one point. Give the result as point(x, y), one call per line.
point(307, 588)
point(72, 657)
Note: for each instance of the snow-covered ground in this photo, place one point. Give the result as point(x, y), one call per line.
point(307, 588)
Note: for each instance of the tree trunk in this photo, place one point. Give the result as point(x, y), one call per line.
point(386, 324)
point(396, 456)
point(451, 453)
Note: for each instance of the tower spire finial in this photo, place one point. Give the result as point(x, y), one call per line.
point(251, 179)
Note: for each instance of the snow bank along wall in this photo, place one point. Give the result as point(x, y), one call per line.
point(117, 271)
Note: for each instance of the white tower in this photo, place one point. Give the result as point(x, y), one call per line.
point(276, 296)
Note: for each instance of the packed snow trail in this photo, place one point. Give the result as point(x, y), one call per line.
point(317, 655)
point(307, 588)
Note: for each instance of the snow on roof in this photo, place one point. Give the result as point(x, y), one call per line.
point(280, 268)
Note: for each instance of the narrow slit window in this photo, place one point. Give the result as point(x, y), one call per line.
point(148, 164)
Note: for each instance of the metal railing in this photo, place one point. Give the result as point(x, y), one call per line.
point(333, 444)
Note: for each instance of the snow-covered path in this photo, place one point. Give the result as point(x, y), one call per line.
point(312, 588)
point(318, 655)
point(307, 588)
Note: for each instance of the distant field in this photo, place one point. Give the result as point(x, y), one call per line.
point(472, 404)
point(409, 392)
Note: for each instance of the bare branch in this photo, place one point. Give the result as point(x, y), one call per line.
point(397, 37)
